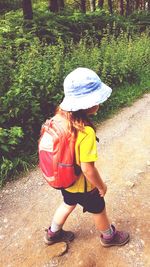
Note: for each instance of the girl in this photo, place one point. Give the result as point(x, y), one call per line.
point(84, 92)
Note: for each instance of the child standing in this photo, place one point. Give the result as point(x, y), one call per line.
point(84, 92)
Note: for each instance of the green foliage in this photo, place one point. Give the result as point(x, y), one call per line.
point(9, 147)
point(10, 138)
point(117, 61)
point(36, 80)
point(36, 57)
point(124, 60)
point(6, 69)
point(141, 19)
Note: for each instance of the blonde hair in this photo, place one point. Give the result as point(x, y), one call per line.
point(77, 120)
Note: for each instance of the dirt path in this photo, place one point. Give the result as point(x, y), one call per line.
point(27, 205)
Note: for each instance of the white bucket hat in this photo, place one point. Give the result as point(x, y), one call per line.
point(83, 89)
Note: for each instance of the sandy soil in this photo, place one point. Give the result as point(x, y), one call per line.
point(27, 205)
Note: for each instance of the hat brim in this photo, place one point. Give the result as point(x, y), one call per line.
point(87, 101)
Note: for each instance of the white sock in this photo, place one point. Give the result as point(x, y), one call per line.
point(55, 227)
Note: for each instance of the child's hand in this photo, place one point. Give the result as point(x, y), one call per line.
point(103, 190)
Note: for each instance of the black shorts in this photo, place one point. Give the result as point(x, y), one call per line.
point(90, 201)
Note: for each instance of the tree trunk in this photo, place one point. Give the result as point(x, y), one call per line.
point(61, 4)
point(27, 9)
point(141, 4)
point(92, 5)
point(127, 7)
point(110, 6)
point(137, 4)
point(83, 6)
point(148, 5)
point(53, 6)
point(121, 8)
point(100, 3)
point(131, 4)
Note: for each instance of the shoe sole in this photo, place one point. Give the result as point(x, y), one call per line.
point(115, 244)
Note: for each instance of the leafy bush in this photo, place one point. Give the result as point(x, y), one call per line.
point(36, 79)
point(9, 147)
point(124, 60)
point(6, 69)
point(117, 61)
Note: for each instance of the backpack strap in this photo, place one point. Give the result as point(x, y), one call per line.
point(85, 185)
point(97, 139)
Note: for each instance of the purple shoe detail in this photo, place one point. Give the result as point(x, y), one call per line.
point(110, 237)
point(119, 238)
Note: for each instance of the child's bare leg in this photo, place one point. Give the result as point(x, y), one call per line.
point(62, 213)
point(101, 221)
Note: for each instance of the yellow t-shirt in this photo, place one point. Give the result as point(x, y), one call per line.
point(85, 151)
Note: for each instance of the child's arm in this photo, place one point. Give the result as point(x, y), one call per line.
point(92, 174)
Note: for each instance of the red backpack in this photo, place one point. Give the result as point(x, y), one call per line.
point(57, 154)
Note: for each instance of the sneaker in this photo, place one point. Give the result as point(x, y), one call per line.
point(60, 236)
point(119, 238)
